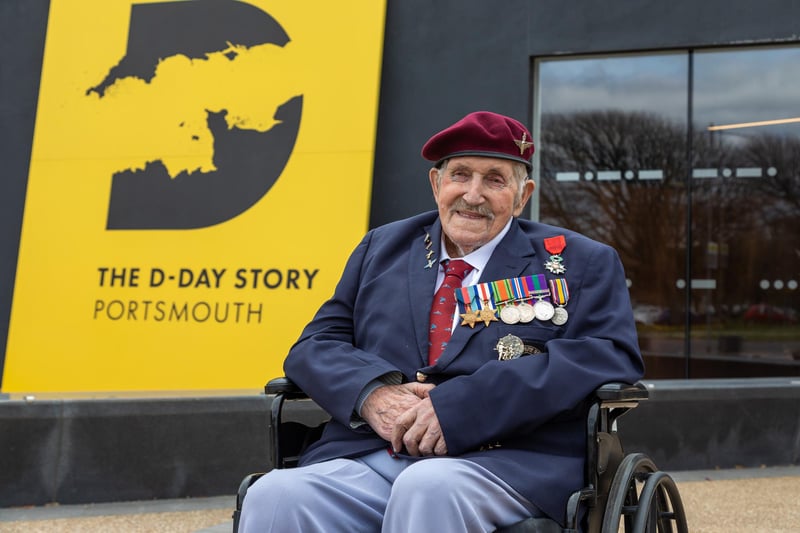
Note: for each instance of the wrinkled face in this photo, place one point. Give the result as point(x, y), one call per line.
point(476, 197)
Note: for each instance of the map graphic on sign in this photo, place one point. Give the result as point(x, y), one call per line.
point(245, 162)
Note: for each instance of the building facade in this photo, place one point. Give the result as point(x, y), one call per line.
point(667, 129)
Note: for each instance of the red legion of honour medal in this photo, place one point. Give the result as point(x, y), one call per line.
point(555, 245)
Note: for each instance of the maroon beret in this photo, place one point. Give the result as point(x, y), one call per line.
point(481, 133)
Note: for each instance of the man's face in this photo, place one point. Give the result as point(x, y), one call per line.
point(476, 197)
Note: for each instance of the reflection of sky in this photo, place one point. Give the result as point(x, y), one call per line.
point(730, 86)
point(748, 85)
point(653, 83)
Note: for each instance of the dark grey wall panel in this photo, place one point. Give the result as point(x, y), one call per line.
point(442, 60)
point(30, 438)
point(589, 26)
point(725, 423)
point(22, 32)
point(134, 449)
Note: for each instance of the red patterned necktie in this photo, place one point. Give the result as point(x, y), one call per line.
point(444, 303)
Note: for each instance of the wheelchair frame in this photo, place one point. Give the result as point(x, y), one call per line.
point(621, 490)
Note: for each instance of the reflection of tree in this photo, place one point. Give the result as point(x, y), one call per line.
point(781, 153)
point(757, 217)
point(743, 229)
point(643, 220)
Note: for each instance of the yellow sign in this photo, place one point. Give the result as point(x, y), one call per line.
point(200, 172)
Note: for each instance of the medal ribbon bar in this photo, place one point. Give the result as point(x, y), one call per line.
point(555, 245)
point(484, 291)
point(502, 291)
point(520, 289)
point(467, 300)
point(559, 291)
point(537, 286)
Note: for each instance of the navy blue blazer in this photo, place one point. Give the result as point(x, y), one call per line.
point(377, 322)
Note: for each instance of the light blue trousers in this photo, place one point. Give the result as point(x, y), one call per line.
point(381, 493)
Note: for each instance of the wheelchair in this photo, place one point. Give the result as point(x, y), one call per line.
point(621, 493)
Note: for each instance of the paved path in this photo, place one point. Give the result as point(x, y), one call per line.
point(716, 501)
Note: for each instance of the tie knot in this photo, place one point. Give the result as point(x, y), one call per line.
point(457, 267)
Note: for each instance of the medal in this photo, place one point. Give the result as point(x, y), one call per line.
point(560, 316)
point(526, 312)
point(510, 314)
point(487, 313)
point(555, 265)
point(469, 319)
point(509, 347)
point(504, 296)
point(560, 294)
point(537, 287)
point(555, 245)
point(478, 305)
point(543, 310)
point(522, 295)
point(465, 298)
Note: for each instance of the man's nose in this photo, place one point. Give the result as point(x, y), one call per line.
point(474, 192)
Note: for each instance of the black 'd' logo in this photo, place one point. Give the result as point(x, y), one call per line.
point(247, 162)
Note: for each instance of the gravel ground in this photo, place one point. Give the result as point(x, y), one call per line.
point(713, 504)
point(166, 522)
point(747, 505)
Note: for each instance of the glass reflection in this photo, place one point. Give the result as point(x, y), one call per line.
point(746, 210)
point(614, 165)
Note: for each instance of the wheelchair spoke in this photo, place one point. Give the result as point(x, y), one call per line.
point(623, 500)
point(659, 506)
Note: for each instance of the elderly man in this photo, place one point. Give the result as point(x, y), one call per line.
point(454, 358)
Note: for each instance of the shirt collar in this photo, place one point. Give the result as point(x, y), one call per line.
point(479, 257)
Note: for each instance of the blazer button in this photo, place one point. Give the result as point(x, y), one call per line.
point(421, 377)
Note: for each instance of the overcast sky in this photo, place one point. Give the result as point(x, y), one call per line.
point(730, 86)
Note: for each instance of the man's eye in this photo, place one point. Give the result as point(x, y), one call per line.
point(459, 176)
point(496, 182)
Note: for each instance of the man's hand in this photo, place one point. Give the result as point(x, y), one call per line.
point(419, 430)
point(386, 404)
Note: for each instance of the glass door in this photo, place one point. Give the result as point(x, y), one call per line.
point(746, 213)
point(706, 219)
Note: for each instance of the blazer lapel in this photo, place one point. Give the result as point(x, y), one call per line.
point(510, 259)
point(422, 272)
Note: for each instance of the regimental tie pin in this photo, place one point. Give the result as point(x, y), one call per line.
point(555, 245)
point(430, 256)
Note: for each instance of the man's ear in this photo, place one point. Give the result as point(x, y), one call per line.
point(433, 176)
point(527, 190)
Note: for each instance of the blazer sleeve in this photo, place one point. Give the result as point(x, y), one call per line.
point(324, 361)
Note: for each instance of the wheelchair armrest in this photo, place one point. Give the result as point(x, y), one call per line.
point(608, 392)
point(617, 391)
point(285, 386)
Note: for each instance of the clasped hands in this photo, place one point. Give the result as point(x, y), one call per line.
point(404, 415)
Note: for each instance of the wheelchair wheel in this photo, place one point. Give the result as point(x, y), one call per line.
point(646, 498)
point(660, 503)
